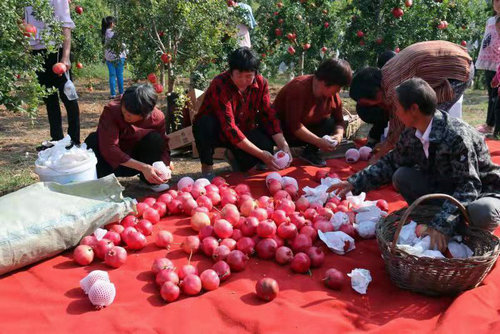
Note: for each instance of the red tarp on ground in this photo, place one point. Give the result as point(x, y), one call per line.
point(46, 298)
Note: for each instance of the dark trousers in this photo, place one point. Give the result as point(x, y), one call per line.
point(148, 150)
point(206, 132)
point(492, 97)
point(376, 116)
point(320, 129)
point(483, 213)
point(49, 79)
point(496, 113)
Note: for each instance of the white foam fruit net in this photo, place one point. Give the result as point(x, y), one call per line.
point(88, 281)
point(102, 293)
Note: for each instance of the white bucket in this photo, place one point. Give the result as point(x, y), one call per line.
point(84, 172)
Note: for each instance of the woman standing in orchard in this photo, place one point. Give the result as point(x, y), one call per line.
point(488, 60)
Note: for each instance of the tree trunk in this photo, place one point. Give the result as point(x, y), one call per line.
point(162, 74)
point(302, 60)
point(171, 78)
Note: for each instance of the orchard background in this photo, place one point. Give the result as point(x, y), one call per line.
point(185, 43)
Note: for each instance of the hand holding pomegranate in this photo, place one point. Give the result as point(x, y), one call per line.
point(65, 60)
point(268, 159)
point(338, 137)
point(325, 145)
point(151, 174)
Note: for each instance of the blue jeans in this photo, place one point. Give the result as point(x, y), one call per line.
point(115, 69)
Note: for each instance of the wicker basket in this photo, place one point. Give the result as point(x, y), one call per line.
point(435, 276)
point(353, 123)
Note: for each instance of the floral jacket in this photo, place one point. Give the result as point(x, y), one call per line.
point(458, 156)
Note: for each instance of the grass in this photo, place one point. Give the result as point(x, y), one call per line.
point(15, 179)
point(475, 107)
point(99, 72)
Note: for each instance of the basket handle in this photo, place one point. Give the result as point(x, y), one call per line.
point(421, 199)
point(347, 112)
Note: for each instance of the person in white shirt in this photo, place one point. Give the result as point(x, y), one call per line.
point(49, 79)
point(115, 63)
point(243, 35)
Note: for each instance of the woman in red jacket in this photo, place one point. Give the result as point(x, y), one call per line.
point(131, 136)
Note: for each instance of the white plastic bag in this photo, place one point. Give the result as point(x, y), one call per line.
point(338, 219)
point(69, 88)
point(366, 229)
point(459, 250)
point(369, 213)
point(338, 241)
point(407, 235)
point(360, 278)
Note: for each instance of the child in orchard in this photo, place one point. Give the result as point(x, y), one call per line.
point(115, 63)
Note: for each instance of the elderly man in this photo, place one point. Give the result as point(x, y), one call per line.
point(446, 66)
point(436, 153)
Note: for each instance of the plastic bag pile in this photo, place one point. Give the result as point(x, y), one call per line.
point(59, 158)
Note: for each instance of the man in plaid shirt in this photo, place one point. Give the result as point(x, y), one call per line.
point(436, 153)
point(236, 113)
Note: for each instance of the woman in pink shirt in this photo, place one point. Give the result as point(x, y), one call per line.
point(495, 83)
point(488, 60)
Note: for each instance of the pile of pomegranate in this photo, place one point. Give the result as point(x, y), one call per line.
point(230, 226)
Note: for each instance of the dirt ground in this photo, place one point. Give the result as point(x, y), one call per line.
point(19, 136)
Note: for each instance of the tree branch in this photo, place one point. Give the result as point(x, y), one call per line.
point(162, 47)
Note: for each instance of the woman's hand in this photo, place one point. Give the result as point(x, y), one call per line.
point(285, 148)
point(152, 175)
point(268, 159)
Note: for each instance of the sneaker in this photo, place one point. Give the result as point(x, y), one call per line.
point(71, 145)
point(45, 145)
point(484, 128)
point(231, 160)
point(159, 187)
point(112, 97)
point(313, 158)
